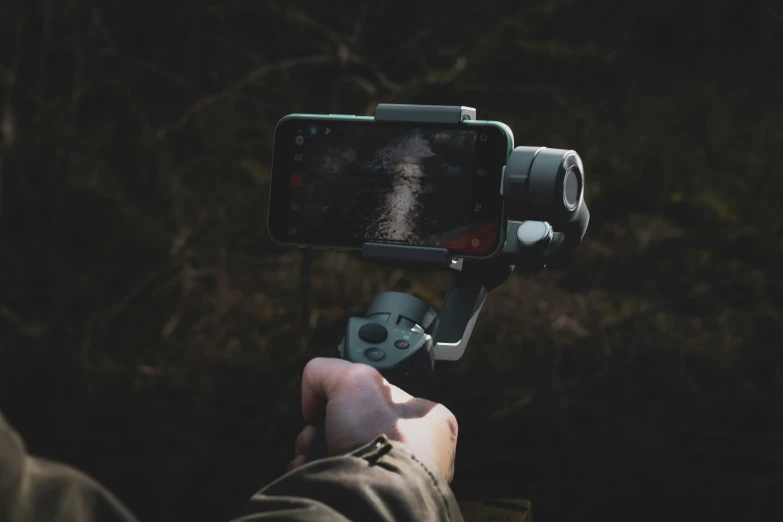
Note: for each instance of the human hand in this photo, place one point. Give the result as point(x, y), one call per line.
point(356, 404)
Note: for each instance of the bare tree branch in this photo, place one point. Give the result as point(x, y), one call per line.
point(31, 329)
point(358, 28)
point(519, 88)
point(307, 20)
point(252, 77)
point(363, 83)
point(344, 52)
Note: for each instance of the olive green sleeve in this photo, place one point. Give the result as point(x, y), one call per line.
point(379, 482)
point(33, 489)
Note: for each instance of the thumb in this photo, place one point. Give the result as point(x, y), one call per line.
point(320, 377)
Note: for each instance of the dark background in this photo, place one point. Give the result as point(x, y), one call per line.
point(152, 336)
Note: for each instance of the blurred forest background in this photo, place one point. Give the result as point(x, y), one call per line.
point(151, 335)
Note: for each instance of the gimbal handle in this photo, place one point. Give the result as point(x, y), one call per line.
point(396, 338)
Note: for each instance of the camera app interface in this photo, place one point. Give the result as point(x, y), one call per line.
point(356, 183)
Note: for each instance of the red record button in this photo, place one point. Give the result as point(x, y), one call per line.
point(297, 180)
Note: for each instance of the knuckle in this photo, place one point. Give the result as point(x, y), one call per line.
point(363, 373)
point(359, 379)
point(312, 364)
point(448, 418)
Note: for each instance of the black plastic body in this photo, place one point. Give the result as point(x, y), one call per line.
point(444, 335)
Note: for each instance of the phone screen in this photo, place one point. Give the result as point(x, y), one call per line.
point(342, 183)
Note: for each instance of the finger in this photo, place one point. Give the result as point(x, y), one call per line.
point(299, 460)
point(319, 378)
point(305, 440)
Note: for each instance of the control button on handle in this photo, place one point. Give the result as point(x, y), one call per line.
point(375, 354)
point(373, 333)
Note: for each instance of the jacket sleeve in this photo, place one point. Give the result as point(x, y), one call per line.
point(379, 482)
point(35, 489)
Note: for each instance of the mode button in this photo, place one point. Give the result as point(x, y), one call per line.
point(375, 354)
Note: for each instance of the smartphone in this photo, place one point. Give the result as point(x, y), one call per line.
point(340, 181)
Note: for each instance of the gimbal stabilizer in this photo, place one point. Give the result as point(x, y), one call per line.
point(401, 335)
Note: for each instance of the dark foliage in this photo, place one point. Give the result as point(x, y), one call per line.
point(151, 334)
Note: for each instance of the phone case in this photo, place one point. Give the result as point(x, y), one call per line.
point(352, 117)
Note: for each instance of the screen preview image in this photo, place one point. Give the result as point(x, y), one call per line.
point(357, 183)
